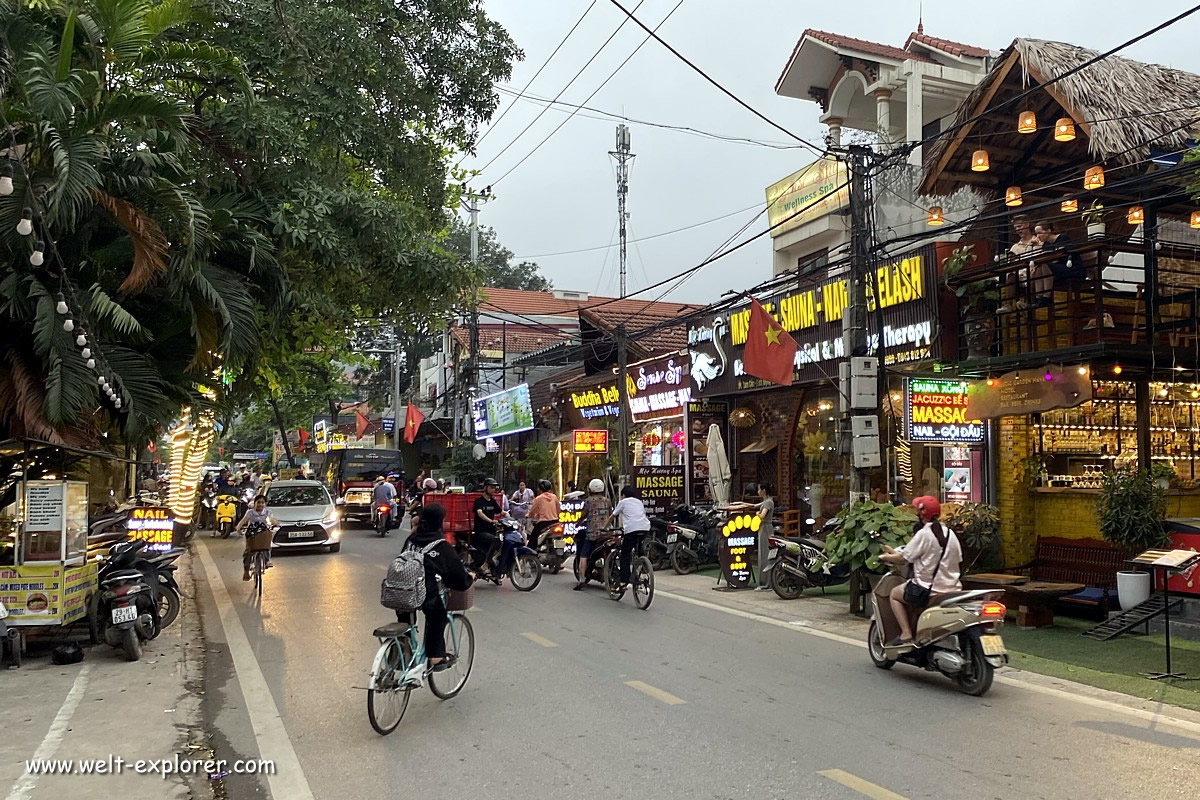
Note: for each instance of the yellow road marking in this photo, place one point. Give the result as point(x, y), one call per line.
point(657, 694)
point(543, 641)
point(865, 788)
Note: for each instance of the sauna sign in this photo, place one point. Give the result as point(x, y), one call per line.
point(935, 412)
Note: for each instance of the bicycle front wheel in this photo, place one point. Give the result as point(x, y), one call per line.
point(387, 700)
point(643, 583)
point(460, 649)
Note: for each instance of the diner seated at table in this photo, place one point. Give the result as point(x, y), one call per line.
point(1015, 282)
point(1066, 267)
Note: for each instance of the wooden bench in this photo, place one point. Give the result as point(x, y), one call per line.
point(1090, 562)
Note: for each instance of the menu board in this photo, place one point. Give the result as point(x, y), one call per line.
point(42, 532)
point(739, 549)
point(661, 488)
point(702, 414)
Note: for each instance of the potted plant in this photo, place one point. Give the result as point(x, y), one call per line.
point(1131, 510)
point(859, 540)
point(1093, 218)
point(978, 529)
point(1163, 474)
point(975, 301)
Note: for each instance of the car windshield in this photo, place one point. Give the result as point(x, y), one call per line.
point(297, 496)
point(357, 469)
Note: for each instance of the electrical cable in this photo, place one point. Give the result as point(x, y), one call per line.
point(595, 91)
point(630, 14)
point(574, 78)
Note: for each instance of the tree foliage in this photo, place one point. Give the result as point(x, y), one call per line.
point(495, 260)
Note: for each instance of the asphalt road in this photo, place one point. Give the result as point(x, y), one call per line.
point(575, 696)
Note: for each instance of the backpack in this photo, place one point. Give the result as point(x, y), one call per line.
point(403, 588)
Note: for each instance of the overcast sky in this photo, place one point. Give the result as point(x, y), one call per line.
point(563, 197)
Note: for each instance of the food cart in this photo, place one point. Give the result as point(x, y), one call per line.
point(51, 581)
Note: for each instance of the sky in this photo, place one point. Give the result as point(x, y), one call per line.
point(563, 196)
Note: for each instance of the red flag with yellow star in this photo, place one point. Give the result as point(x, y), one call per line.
point(770, 352)
point(412, 422)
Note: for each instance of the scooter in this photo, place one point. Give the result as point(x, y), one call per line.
point(664, 535)
point(124, 612)
point(163, 566)
point(226, 515)
point(383, 518)
point(10, 638)
point(208, 508)
point(524, 569)
point(552, 544)
point(798, 563)
point(696, 546)
point(955, 635)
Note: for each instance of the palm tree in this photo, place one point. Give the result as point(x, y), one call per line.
point(169, 273)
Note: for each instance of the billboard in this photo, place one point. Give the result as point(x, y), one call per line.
point(503, 413)
point(816, 185)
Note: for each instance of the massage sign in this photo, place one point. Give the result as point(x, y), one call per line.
point(739, 548)
point(935, 412)
point(153, 525)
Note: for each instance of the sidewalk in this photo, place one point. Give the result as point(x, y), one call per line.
point(107, 707)
point(1058, 657)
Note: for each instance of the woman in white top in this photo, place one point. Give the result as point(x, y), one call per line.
point(634, 523)
point(1026, 245)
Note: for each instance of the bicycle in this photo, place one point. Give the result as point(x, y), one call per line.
point(258, 539)
point(401, 651)
point(259, 559)
point(641, 574)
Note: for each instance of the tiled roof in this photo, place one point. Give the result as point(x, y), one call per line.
point(515, 339)
point(947, 46)
point(863, 46)
point(660, 340)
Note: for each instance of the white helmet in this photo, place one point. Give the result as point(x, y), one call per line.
point(430, 483)
point(596, 486)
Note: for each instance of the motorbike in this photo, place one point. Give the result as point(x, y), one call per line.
point(798, 563)
point(664, 535)
point(552, 544)
point(10, 638)
point(226, 514)
point(955, 635)
point(166, 587)
point(524, 569)
point(206, 514)
point(697, 544)
point(125, 611)
point(383, 518)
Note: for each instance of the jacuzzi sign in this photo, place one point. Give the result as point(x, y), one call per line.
point(935, 412)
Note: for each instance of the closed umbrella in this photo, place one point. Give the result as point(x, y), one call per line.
point(719, 475)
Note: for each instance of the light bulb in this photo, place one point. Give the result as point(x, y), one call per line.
point(25, 226)
point(91, 363)
point(80, 340)
point(117, 403)
point(87, 352)
point(68, 325)
point(102, 380)
point(36, 257)
point(6, 184)
point(61, 307)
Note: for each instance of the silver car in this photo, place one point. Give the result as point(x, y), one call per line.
point(306, 514)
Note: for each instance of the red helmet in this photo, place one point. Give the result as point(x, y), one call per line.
point(927, 507)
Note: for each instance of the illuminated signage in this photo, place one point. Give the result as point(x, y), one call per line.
point(739, 546)
point(153, 525)
point(661, 488)
point(935, 411)
point(321, 435)
point(590, 441)
point(502, 413)
point(603, 401)
point(570, 514)
point(658, 388)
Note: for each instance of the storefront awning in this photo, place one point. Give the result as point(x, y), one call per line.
point(761, 446)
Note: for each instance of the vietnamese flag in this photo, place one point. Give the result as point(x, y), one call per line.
point(770, 352)
point(360, 424)
point(412, 422)
point(302, 436)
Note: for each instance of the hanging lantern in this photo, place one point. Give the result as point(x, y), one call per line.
point(1136, 215)
point(1195, 223)
point(979, 161)
point(1093, 178)
point(1027, 122)
point(1064, 130)
point(1012, 196)
point(935, 216)
point(1069, 205)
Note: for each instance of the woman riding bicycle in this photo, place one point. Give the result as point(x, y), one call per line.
point(634, 523)
point(255, 516)
point(444, 561)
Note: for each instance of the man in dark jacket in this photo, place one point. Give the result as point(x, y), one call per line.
point(440, 561)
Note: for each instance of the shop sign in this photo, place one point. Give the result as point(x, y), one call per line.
point(958, 476)
point(702, 415)
point(570, 514)
point(46, 594)
point(935, 412)
point(597, 403)
point(153, 525)
point(589, 441)
point(907, 298)
point(807, 194)
point(321, 435)
point(1030, 391)
point(661, 488)
point(739, 548)
point(657, 388)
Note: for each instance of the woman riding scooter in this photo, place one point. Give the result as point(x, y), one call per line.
point(543, 511)
point(933, 556)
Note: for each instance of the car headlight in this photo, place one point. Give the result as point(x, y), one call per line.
point(331, 518)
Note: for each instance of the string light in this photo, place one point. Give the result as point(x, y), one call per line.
point(68, 324)
point(37, 257)
point(1093, 178)
point(1083, 370)
point(80, 340)
point(1064, 130)
point(61, 306)
point(6, 184)
point(1069, 205)
point(91, 363)
point(86, 352)
point(1136, 215)
point(1117, 369)
point(935, 217)
point(979, 161)
point(1027, 122)
point(1012, 196)
point(25, 226)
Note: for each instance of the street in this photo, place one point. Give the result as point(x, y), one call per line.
point(573, 695)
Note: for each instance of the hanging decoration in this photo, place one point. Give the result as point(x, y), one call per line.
point(1027, 122)
point(1094, 178)
point(651, 439)
point(935, 217)
point(979, 161)
point(1136, 215)
point(679, 440)
point(1069, 205)
point(1064, 130)
point(1012, 196)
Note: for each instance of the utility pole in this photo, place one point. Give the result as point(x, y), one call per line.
point(397, 424)
point(624, 159)
point(471, 202)
point(855, 320)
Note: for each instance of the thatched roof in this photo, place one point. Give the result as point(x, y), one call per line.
point(1123, 108)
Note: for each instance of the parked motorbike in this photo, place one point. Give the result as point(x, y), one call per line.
point(552, 544)
point(664, 535)
point(798, 563)
point(955, 635)
point(124, 613)
point(10, 638)
point(226, 515)
point(698, 543)
point(166, 587)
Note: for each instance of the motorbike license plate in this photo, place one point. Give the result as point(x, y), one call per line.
point(301, 534)
point(124, 614)
point(672, 538)
point(992, 645)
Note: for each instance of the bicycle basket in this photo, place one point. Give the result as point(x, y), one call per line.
point(460, 601)
point(259, 538)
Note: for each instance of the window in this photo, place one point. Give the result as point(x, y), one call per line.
point(283, 496)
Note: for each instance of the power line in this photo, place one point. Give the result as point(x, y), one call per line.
point(545, 63)
point(574, 78)
point(570, 116)
point(705, 75)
